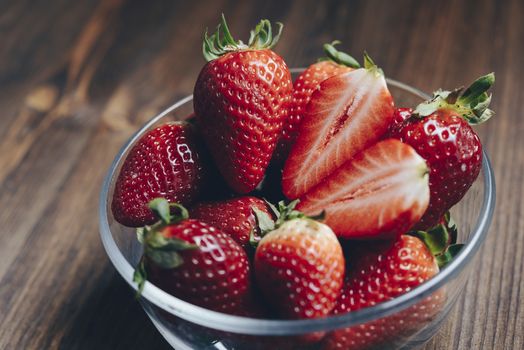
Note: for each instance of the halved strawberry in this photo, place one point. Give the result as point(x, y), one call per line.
point(348, 113)
point(308, 81)
point(380, 193)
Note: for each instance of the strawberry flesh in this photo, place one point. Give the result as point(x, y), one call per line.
point(380, 193)
point(348, 113)
point(303, 87)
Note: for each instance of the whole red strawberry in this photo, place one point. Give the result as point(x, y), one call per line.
point(237, 217)
point(439, 131)
point(194, 261)
point(299, 267)
point(400, 115)
point(241, 99)
point(307, 82)
point(165, 162)
point(379, 272)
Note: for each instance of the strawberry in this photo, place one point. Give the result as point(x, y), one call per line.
point(236, 217)
point(380, 193)
point(240, 101)
point(307, 82)
point(439, 131)
point(347, 113)
point(381, 272)
point(194, 261)
point(166, 162)
point(400, 115)
point(389, 332)
point(299, 266)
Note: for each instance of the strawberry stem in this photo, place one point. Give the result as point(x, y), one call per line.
point(164, 210)
point(163, 251)
point(440, 240)
point(436, 239)
point(222, 42)
point(471, 104)
point(340, 57)
point(450, 253)
point(283, 212)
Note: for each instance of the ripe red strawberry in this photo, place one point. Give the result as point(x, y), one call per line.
point(194, 261)
point(379, 272)
point(165, 162)
point(380, 193)
point(299, 267)
point(240, 101)
point(439, 131)
point(400, 115)
point(304, 86)
point(236, 217)
point(348, 113)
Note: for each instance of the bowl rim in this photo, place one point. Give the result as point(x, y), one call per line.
point(252, 326)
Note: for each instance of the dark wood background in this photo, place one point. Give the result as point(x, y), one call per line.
point(78, 77)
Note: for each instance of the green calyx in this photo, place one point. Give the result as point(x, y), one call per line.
point(339, 57)
point(441, 240)
point(282, 212)
point(163, 251)
point(370, 65)
point(222, 42)
point(471, 103)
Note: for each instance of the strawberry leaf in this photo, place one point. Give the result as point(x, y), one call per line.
point(340, 57)
point(167, 259)
point(436, 239)
point(451, 226)
point(478, 88)
point(160, 206)
point(140, 277)
point(274, 209)
point(140, 231)
point(448, 255)
point(222, 42)
point(253, 239)
point(264, 221)
point(169, 213)
point(371, 66)
point(471, 104)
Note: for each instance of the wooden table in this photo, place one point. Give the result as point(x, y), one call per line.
point(77, 78)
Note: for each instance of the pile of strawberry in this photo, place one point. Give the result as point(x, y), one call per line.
point(362, 188)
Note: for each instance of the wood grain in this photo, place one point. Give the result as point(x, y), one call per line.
point(78, 77)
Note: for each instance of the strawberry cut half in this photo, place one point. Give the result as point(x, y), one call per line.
point(348, 113)
point(381, 193)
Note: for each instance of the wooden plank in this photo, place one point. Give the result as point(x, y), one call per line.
point(78, 78)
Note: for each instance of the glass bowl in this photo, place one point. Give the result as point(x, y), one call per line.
point(187, 326)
